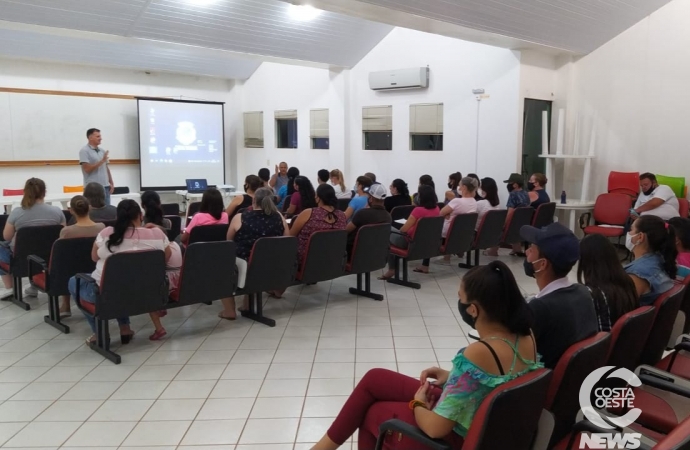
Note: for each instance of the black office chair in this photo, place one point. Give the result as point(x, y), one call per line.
point(121, 190)
point(369, 253)
point(209, 233)
point(175, 227)
point(171, 209)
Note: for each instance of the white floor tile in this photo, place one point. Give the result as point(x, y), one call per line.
point(69, 411)
point(156, 373)
point(330, 387)
point(277, 407)
point(240, 371)
point(24, 411)
point(284, 371)
point(100, 433)
point(229, 389)
point(20, 374)
point(169, 357)
point(294, 356)
point(323, 406)
point(284, 388)
point(226, 409)
point(371, 355)
point(414, 354)
point(121, 411)
point(335, 355)
point(43, 434)
point(133, 390)
point(7, 430)
point(92, 390)
point(281, 431)
point(212, 357)
point(62, 374)
point(201, 372)
point(7, 390)
point(333, 370)
point(157, 433)
point(213, 432)
point(42, 391)
point(185, 409)
point(189, 389)
point(412, 342)
point(253, 356)
point(42, 359)
point(110, 373)
point(313, 429)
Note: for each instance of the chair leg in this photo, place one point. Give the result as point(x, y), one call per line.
point(367, 288)
point(18, 298)
point(468, 260)
point(102, 344)
point(404, 281)
point(53, 317)
point(255, 311)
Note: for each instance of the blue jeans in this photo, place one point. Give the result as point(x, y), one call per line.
point(89, 293)
point(5, 254)
point(107, 194)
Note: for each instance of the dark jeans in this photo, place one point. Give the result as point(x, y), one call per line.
point(89, 292)
point(397, 240)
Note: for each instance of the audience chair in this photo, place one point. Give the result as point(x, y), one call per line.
point(683, 207)
point(440, 205)
point(627, 183)
point(171, 209)
point(460, 234)
point(543, 216)
point(12, 192)
point(488, 235)
point(369, 253)
point(515, 221)
point(343, 203)
point(121, 190)
point(666, 308)
point(424, 245)
point(29, 241)
point(73, 189)
point(175, 227)
point(67, 258)
point(629, 337)
point(272, 265)
point(677, 184)
point(324, 258)
point(132, 283)
point(495, 424)
point(209, 233)
point(401, 212)
point(611, 213)
point(67, 214)
point(192, 209)
point(573, 367)
point(108, 223)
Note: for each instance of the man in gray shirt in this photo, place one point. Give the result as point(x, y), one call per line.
point(280, 178)
point(94, 163)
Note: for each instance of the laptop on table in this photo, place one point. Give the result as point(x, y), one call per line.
point(196, 186)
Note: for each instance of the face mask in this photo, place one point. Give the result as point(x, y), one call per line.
point(530, 186)
point(529, 267)
point(466, 317)
point(450, 185)
point(628, 241)
point(510, 187)
point(649, 192)
point(480, 193)
point(245, 187)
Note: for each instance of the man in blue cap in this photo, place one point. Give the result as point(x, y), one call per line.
point(563, 311)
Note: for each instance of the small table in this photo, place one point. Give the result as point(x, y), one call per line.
point(188, 197)
point(63, 200)
point(573, 206)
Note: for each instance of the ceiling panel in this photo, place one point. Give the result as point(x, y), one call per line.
point(578, 26)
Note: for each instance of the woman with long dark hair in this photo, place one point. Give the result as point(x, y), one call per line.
point(612, 289)
point(211, 212)
point(153, 210)
point(303, 197)
point(653, 243)
point(489, 301)
point(424, 180)
point(400, 195)
point(453, 185)
point(488, 203)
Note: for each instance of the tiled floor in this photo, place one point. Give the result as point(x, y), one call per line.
point(220, 385)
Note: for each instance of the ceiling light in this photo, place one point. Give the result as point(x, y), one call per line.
point(303, 12)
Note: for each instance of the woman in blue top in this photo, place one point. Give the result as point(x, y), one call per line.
point(287, 189)
point(491, 302)
point(653, 243)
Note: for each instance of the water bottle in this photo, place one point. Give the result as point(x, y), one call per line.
point(563, 198)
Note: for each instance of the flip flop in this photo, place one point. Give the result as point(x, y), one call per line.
point(384, 278)
point(220, 314)
point(418, 270)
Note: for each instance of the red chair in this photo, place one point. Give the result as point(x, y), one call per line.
point(611, 212)
point(12, 192)
point(683, 207)
point(627, 183)
point(495, 425)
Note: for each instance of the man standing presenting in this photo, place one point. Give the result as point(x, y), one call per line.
point(94, 163)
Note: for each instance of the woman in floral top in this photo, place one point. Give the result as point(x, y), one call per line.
point(443, 403)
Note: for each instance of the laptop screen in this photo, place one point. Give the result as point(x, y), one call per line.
point(196, 184)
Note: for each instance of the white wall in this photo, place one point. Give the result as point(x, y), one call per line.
point(636, 87)
point(49, 76)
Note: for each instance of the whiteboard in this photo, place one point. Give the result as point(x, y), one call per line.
point(47, 127)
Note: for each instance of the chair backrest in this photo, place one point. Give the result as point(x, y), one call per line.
point(612, 209)
point(495, 424)
point(520, 216)
point(491, 229)
point(68, 258)
point(286, 203)
point(107, 223)
point(208, 272)
point(175, 227)
point(132, 283)
point(121, 190)
point(171, 209)
point(573, 367)
point(3, 222)
point(325, 256)
point(343, 203)
point(33, 241)
point(209, 233)
point(627, 183)
point(427, 238)
point(628, 337)
point(401, 212)
point(370, 249)
point(683, 207)
point(73, 189)
point(666, 308)
point(12, 192)
point(544, 215)
point(67, 214)
point(460, 234)
point(272, 264)
point(678, 439)
point(677, 184)
point(193, 208)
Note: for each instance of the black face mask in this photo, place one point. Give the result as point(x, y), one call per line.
point(246, 187)
point(510, 187)
point(529, 268)
point(450, 185)
point(530, 186)
point(650, 191)
point(466, 317)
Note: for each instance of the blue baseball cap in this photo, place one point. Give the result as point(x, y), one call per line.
point(556, 242)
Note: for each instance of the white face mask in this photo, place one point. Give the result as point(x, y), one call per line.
point(480, 192)
point(628, 241)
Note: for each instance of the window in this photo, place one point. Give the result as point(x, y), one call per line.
point(254, 129)
point(426, 127)
point(286, 128)
point(319, 129)
point(377, 127)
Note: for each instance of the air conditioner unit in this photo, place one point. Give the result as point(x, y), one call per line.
point(417, 77)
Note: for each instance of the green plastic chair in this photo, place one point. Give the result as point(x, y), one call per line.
point(677, 184)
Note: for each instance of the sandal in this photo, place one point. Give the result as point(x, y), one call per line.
point(158, 334)
point(91, 340)
point(220, 315)
point(126, 338)
point(418, 270)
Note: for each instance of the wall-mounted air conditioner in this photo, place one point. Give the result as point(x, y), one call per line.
point(417, 77)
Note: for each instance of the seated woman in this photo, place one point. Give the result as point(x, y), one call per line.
point(489, 301)
point(251, 184)
point(400, 195)
point(654, 267)
point(302, 198)
point(153, 211)
point(681, 226)
point(263, 220)
point(127, 235)
point(428, 207)
point(478, 194)
point(84, 227)
point(211, 212)
point(612, 289)
point(338, 183)
point(536, 190)
point(100, 212)
point(453, 184)
point(33, 212)
point(465, 204)
point(424, 180)
point(489, 202)
point(288, 188)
